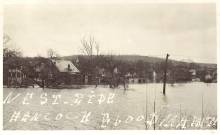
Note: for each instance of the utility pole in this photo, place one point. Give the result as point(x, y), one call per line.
point(165, 75)
point(146, 108)
point(154, 115)
point(202, 109)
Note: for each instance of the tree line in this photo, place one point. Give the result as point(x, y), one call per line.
point(92, 59)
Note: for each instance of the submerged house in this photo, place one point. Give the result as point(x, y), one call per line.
point(14, 74)
point(67, 72)
point(56, 71)
point(23, 72)
point(15, 77)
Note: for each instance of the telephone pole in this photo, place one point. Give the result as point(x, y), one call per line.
point(165, 75)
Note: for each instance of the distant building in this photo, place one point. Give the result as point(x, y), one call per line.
point(208, 78)
point(193, 72)
point(214, 76)
point(193, 75)
point(133, 78)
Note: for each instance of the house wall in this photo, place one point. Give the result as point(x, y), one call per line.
point(15, 77)
point(69, 79)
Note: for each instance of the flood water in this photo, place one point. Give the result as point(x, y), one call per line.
point(105, 108)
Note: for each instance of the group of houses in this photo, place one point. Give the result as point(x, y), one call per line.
point(51, 73)
point(43, 72)
point(54, 72)
point(209, 76)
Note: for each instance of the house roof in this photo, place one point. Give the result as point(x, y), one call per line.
point(65, 66)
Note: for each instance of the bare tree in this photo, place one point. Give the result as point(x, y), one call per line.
point(9, 51)
point(51, 53)
point(97, 48)
point(6, 39)
point(88, 46)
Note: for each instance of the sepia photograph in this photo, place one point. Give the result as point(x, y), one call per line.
point(109, 66)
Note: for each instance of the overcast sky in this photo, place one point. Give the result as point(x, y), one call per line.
point(186, 31)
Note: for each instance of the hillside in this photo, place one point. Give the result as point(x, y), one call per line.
point(133, 58)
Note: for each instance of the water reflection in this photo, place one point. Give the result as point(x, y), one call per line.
point(133, 102)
